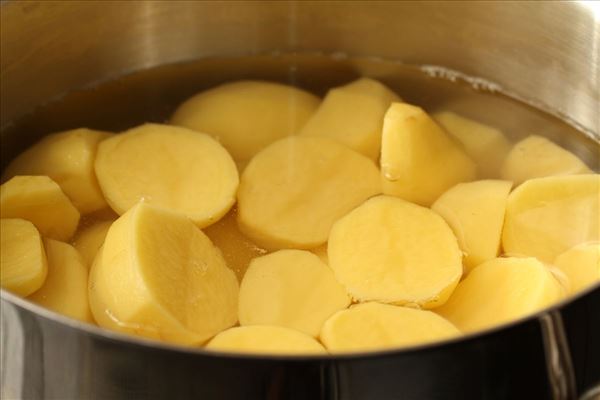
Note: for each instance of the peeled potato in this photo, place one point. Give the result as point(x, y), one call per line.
point(293, 191)
point(22, 257)
point(40, 200)
point(290, 288)
point(501, 290)
point(487, 146)
point(475, 212)
point(89, 240)
point(419, 161)
point(537, 157)
point(375, 326)
point(547, 216)
point(65, 288)
point(159, 276)
point(265, 339)
point(247, 116)
point(168, 166)
point(393, 251)
point(581, 265)
point(321, 252)
point(353, 115)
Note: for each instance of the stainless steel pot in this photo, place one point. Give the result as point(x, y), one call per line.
point(545, 52)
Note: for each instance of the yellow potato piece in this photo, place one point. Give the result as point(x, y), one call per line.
point(475, 212)
point(247, 116)
point(65, 289)
point(419, 161)
point(581, 265)
point(89, 239)
point(157, 275)
point(40, 200)
point(353, 115)
point(23, 265)
point(293, 191)
point(265, 339)
point(170, 167)
point(393, 251)
point(290, 288)
point(547, 216)
point(487, 146)
point(537, 157)
point(321, 252)
point(375, 326)
point(499, 291)
point(67, 158)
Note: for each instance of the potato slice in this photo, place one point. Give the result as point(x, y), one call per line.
point(393, 251)
point(581, 264)
point(265, 339)
point(293, 191)
point(547, 216)
point(290, 288)
point(499, 291)
point(168, 166)
point(89, 239)
point(353, 115)
point(159, 276)
point(485, 145)
point(40, 200)
point(247, 116)
point(375, 326)
point(22, 257)
point(65, 289)
point(537, 157)
point(68, 158)
point(419, 161)
point(475, 212)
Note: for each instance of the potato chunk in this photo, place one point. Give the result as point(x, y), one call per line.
point(159, 276)
point(247, 116)
point(293, 191)
point(501, 290)
point(65, 289)
point(353, 115)
point(40, 200)
point(548, 216)
point(581, 265)
point(475, 212)
point(22, 257)
point(393, 251)
point(290, 288)
point(265, 339)
point(89, 239)
point(419, 161)
point(67, 158)
point(168, 166)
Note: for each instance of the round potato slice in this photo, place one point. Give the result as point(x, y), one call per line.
point(393, 251)
point(265, 339)
point(290, 288)
point(581, 265)
point(171, 167)
point(89, 239)
point(376, 326)
point(293, 191)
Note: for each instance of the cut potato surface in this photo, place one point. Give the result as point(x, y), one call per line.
point(501, 290)
point(375, 326)
point(40, 200)
point(290, 288)
point(247, 116)
point(293, 191)
point(475, 212)
point(353, 115)
point(393, 251)
point(67, 158)
point(170, 167)
point(89, 240)
point(65, 289)
point(581, 265)
point(23, 265)
point(547, 216)
point(265, 339)
point(419, 161)
point(537, 157)
point(159, 276)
